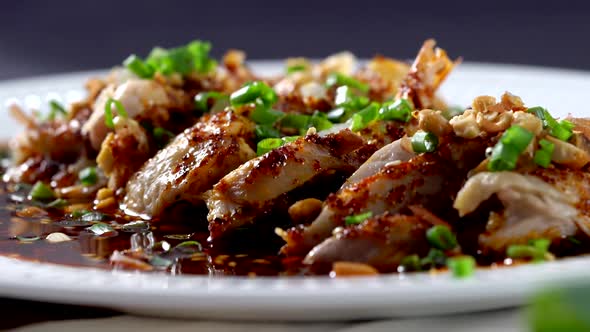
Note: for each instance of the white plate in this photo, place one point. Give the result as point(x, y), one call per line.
point(313, 298)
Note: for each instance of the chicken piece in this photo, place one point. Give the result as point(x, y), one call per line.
point(252, 189)
point(381, 242)
point(549, 203)
point(56, 140)
point(190, 165)
point(429, 70)
point(140, 98)
point(427, 179)
point(123, 152)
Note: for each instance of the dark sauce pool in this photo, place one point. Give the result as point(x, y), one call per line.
point(167, 248)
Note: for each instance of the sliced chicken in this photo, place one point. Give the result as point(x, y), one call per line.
point(123, 152)
point(140, 98)
point(188, 166)
point(550, 203)
point(429, 70)
point(427, 179)
point(381, 242)
point(251, 189)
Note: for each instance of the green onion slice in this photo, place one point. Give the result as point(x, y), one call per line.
point(424, 142)
point(202, 100)
point(28, 239)
point(364, 117)
point(266, 131)
point(506, 152)
point(270, 144)
point(399, 110)
point(461, 266)
point(189, 247)
point(410, 263)
point(435, 257)
point(337, 79)
point(562, 130)
point(295, 68)
point(100, 228)
point(320, 121)
point(108, 112)
point(88, 176)
point(55, 109)
point(41, 192)
point(358, 218)
point(543, 155)
point(137, 66)
point(265, 115)
point(536, 250)
point(252, 91)
point(441, 237)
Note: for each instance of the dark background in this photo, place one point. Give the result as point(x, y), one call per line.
point(39, 37)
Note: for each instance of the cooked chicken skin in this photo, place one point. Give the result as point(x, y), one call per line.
point(429, 70)
point(427, 179)
point(381, 242)
point(140, 98)
point(251, 189)
point(190, 165)
point(549, 204)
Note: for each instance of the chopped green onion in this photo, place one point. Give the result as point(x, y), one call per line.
point(361, 119)
point(88, 176)
point(266, 131)
point(28, 239)
point(400, 110)
point(564, 308)
point(94, 216)
point(138, 67)
point(506, 152)
point(183, 60)
point(536, 250)
point(135, 226)
point(320, 121)
point(424, 142)
point(435, 257)
point(55, 109)
point(264, 115)
point(461, 266)
point(358, 218)
point(58, 203)
point(295, 68)
point(410, 263)
point(268, 144)
point(189, 247)
point(202, 99)
point(108, 112)
point(41, 192)
point(202, 62)
point(100, 228)
point(79, 213)
point(541, 244)
point(294, 120)
point(517, 137)
point(543, 155)
point(441, 237)
point(179, 236)
point(346, 99)
point(562, 130)
point(252, 91)
point(337, 79)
